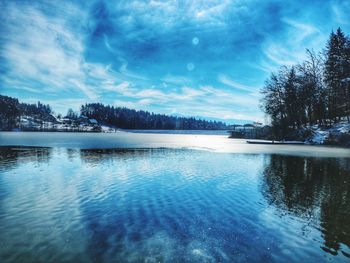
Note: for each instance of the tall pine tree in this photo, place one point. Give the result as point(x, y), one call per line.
point(335, 73)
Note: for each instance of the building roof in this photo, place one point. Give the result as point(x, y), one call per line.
point(93, 121)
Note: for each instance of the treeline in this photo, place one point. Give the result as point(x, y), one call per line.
point(316, 91)
point(11, 110)
point(131, 119)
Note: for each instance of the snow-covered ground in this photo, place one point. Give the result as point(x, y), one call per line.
point(31, 123)
point(330, 135)
point(337, 134)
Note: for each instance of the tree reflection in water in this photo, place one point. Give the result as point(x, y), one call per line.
point(9, 156)
point(313, 188)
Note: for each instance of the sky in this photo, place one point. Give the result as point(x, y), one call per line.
point(189, 58)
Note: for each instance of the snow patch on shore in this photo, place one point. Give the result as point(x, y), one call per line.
point(330, 134)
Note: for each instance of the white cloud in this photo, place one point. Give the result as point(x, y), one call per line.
point(60, 105)
point(40, 49)
point(230, 82)
point(122, 88)
point(282, 55)
point(340, 12)
point(301, 30)
point(290, 47)
point(202, 101)
point(128, 73)
point(86, 89)
point(49, 51)
point(176, 80)
point(167, 15)
point(146, 102)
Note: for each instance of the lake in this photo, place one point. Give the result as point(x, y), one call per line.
point(122, 197)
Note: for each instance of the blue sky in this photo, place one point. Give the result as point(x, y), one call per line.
point(192, 58)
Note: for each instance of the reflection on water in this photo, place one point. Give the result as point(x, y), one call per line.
point(9, 156)
point(315, 189)
point(61, 205)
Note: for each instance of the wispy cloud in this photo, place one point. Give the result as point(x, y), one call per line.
point(340, 12)
point(42, 49)
point(123, 69)
point(136, 53)
point(176, 80)
point(301, 30)
point(289, 48)
point(230, 82)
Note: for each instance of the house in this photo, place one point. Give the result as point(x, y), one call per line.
point(96, 127)
point(83, 120)
point(236, 127)
point(66, 121)
point(248, 130)
point(248, 126)
point(93, 122)
point(236, 134)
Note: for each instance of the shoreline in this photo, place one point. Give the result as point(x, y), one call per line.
point(255, 141)
point(129, 140)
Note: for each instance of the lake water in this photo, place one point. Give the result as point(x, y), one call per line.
point(179, 199)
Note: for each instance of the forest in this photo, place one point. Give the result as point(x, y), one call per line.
point(313, 92)
point(119, 117)
point(11, 110)
point(131, 119)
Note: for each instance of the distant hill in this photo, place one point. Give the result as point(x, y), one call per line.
point(132, 119)
point(12, 112)
point(227, 121)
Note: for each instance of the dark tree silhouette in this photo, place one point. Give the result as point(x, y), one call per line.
point(11, 110)
point(315, 189)
point(132, 119)
point(315, 91)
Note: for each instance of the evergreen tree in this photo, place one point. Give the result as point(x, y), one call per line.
point(71, 114)
point(292, 99)
point(316, 91)
point(9, 113)
point(335, 73)
point(346, 78)
point(11, 110)
point(132, 119)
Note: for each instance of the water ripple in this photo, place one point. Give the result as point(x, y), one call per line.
point(61, 205)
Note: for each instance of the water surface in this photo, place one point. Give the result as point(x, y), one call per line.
point(172, 205)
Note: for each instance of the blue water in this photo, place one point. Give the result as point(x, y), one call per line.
point(163, 205)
